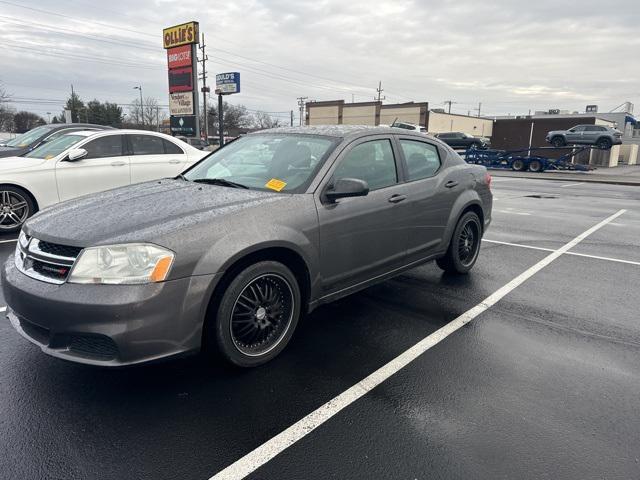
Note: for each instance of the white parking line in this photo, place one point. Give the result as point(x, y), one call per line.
point(572, 184)
point(597, 257)
point(9, 241)
point(276, 445)
point(3, 309)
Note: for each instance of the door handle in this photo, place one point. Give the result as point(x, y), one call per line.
point(397, 198)
point(118, 164)
point(451, 184)
point(174, 161)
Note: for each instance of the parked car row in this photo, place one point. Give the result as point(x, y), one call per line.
point(34, 138)
point(228, 254)
point(80, 162)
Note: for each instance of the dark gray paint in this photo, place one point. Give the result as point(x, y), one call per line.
point(346, 246)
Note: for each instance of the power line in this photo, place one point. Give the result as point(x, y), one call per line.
point(77, 20)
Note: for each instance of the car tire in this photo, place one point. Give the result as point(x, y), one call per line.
point(518, 165)
point(463, 248)
point(558, 142)
point(16, 206)
point(535, 166)
point(604, 144)
point(257, 314)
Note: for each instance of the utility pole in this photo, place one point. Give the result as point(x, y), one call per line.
point(204, 89)
point(479, 108)
point(301, 101)
point(380, 90)
point(73, 103)
point(449, 102)
point(139, 87)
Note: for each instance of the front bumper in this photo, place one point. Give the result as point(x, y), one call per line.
point(109, 325)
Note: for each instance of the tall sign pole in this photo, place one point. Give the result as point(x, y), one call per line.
point(180, 42)
point(226, 84)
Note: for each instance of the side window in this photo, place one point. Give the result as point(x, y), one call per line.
point(423, 160)
point(372, 162)
point(110, 146)
point(146, 145)
point(579, 128)
point(172, 148)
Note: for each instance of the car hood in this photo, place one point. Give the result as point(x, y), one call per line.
point(18, 163)
point(11, 151)
point(146, 212)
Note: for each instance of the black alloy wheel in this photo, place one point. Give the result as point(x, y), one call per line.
point(256, 315)
point(558, 142)
point(262, 314)
point(464, 247)
point(15, 207)
point(468, 243)
point(604, 144)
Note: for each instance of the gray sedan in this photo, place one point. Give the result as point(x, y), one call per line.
point(228, 256)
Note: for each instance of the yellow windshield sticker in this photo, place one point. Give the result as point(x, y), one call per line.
point(275, 184)
point(48, 157)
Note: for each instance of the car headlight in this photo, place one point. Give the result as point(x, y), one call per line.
point(131, 263)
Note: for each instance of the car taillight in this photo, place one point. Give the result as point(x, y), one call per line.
point(487, 180)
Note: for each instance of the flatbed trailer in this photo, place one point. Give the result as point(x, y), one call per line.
point(524, 159)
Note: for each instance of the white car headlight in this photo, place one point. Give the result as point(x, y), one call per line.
point(131, 263)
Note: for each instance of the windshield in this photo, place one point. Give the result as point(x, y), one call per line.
point(28, 138)
point(55, 147)
point(267, 162)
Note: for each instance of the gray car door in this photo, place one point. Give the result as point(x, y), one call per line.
point(592, 133)
point(574, 135)
point(363, 237)
point(432, 189)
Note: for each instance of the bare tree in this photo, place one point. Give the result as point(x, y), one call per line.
point(6, 112)
point(147, 116)
point(264, 120)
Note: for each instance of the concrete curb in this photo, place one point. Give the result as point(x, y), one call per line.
point(577, 178)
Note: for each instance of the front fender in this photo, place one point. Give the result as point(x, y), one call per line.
point(238, 244)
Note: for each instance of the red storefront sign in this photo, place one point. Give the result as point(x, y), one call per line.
point(179, 57)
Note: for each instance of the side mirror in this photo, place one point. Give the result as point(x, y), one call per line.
point(347, 187)
point(76, 154)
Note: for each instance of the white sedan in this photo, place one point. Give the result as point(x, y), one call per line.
point(86, 162)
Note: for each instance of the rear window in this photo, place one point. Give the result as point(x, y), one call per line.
point(171, 148)
point(146, 145)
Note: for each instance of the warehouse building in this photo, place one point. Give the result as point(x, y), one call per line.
point(338, 112)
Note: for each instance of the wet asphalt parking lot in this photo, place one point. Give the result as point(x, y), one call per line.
point(542, 383)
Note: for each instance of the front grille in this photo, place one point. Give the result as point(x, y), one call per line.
point(59, 250)
point(45, 261)
point(98, 347)
point(55, 272)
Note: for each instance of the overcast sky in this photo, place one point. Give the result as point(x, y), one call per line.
point(511, 55)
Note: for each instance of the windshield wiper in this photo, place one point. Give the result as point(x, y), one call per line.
point(221, 182)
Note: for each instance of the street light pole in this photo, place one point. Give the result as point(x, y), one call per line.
point(139, 87)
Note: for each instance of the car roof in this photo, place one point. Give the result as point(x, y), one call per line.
point(61, 126)
point(84, 133)
point(339, 131)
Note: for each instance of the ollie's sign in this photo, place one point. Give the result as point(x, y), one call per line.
point(184, 34)
point(178, 57)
